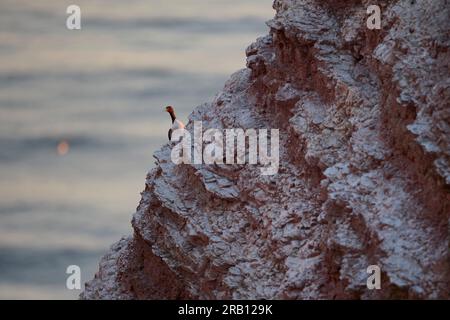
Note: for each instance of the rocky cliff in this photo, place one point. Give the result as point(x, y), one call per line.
point(364, 169)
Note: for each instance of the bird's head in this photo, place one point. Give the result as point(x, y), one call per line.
point(169, 109)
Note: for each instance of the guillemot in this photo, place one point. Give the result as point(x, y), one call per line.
point(176, 124)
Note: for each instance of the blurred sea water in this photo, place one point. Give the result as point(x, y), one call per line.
point(101, 92)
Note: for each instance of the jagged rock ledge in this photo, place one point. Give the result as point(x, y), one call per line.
point(364, 169)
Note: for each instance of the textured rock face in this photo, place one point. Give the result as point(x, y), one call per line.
point(364, 169)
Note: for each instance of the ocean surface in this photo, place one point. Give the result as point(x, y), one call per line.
point(81, 113)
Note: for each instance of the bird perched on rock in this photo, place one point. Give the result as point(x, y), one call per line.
point(176, 124)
